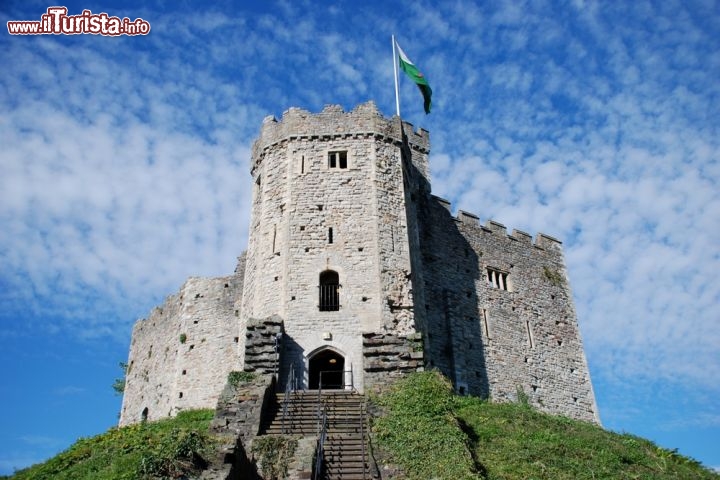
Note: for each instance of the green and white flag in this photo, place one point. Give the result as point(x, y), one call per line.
point(416, 76)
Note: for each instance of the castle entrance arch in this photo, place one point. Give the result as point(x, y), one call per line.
point(326, 369)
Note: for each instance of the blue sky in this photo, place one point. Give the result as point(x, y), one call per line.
point(124, 170)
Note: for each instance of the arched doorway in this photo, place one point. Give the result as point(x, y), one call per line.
point(326, 367)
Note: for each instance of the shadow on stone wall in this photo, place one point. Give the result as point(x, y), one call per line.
point(291, 363)
point(450, 318)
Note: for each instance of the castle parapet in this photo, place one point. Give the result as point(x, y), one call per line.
point(467, 218)
point(496, 227)
point(546, 241)
point(521, 236)
point(491, 226)
point(333, 122)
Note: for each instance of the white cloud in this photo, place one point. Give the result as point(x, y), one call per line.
point(105, 201)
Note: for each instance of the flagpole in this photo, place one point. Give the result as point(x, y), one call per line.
point(395, 71)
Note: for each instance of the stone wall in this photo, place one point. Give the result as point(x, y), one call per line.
point(500, 313)
point(389, 356)
point(150, 377)
point(238, 416)
point(263, 342)
point(181, 354)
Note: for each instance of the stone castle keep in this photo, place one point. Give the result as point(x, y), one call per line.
point(355, 274)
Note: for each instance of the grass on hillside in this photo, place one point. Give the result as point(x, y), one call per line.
point(165, 449)
point(425, 429)
point(432, 434)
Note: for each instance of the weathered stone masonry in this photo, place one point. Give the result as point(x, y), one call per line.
point(181, 354)
point(353, 259)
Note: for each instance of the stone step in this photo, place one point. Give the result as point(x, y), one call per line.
point(349, 476)
point(350, 417)
point(295, 431)
point(347, 460)
point(345, 444)
point(331, 466)
point(343, 410)
point(352, 456)
point(351, 413)
point(344, 472)
point(331, 425)
point(345, 457)
point(311, 426)
point(332, 428)
point(314, 407)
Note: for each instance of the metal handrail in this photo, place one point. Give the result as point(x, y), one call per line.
point(319, 403)
point(352, 379)
point(362, 434)
point(320, 449)
point(286, 414)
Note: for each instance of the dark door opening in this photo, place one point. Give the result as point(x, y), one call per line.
point(327, 367)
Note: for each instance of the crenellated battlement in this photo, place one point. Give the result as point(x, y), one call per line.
point(364, 121)
point(473, 221)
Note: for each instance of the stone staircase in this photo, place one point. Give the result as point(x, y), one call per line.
point(346, 455)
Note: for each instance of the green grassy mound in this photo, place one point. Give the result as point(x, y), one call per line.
point(424, 429)
point(432, 434)
point(169, 448)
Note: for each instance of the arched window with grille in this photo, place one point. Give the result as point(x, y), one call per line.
point(329, 291)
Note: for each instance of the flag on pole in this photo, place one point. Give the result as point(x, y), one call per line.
point(416, 76)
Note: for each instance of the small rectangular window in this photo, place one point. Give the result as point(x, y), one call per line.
point(497, 278)
point(337, 159)
point(330, 235)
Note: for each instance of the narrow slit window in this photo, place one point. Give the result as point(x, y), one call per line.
point(330, 235)
point(528, 329)
point(257, 191)
point(302, 164)
point(274, 238)
point(486, 328)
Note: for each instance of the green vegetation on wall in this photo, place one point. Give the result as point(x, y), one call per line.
point(119, 383)
point(236, 378)
point(273, 454)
